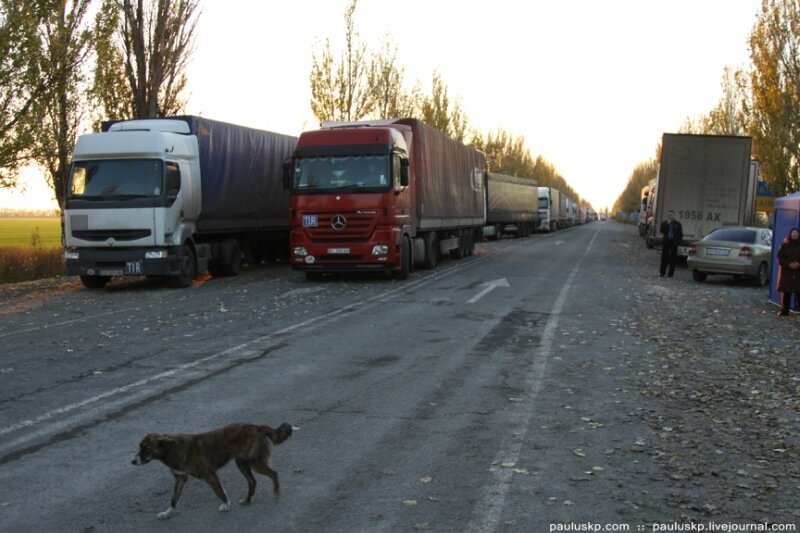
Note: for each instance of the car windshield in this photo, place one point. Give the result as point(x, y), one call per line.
point(127, 178)
point(341, 172)
point(732, 235)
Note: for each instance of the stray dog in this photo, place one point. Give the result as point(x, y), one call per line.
point(202, 454)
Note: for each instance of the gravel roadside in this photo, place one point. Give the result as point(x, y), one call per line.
point(719, 374)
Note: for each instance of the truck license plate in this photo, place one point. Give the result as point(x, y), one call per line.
point(338, 251)
point(133, 267)
point(310, 221)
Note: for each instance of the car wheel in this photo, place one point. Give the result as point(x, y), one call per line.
point(762, 278)
point(699, 276)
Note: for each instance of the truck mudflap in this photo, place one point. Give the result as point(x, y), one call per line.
point(122, 262)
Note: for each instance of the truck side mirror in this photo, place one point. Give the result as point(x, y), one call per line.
point(404, 179)
point(287, 174)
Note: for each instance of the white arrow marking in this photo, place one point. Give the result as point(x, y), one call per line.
point(488, 287)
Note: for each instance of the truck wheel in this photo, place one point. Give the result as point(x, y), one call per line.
point(762, 278)
point(458, 253)
point(470, 242)
point(405, 261)
point(188, 268)
point(431, 250)
point(233, 263)
point(95, 282)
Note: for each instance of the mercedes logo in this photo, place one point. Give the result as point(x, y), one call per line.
point(338, 222)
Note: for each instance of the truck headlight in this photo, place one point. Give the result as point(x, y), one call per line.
point(381, 250)
point(155, 254)
point(72, 255)
point(300, 251)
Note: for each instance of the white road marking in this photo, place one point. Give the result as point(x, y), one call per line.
point(487, 513)
point(112, 398)
point(489, 286)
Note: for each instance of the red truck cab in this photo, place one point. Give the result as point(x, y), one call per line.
point(351, 207)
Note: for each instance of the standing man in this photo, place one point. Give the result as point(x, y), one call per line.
point(672, 231)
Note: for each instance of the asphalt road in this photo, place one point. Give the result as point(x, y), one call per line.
point(489, 394)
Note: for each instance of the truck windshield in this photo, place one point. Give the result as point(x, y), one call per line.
point(341, 172)
point(121, 178)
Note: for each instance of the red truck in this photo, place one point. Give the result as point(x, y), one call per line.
point(382, 196)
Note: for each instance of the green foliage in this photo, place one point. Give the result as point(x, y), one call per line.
point(775, 82)
point(630, 198)
point(22, 82)
point(65, 38)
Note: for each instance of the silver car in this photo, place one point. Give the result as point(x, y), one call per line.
point(732, 250)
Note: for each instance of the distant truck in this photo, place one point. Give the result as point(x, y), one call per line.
point(553, 214)
point(647, 206)
point(706, 180)
point(513, 206)
point(173, 197)
point(382, 196)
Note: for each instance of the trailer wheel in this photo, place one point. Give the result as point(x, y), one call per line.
point(188, 268)
point(95, 282)
point(405, 261)
point(431, 250)
point(459, 252)
point(470, 242)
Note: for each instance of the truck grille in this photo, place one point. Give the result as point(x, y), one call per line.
point(116, 234)
point(343, 227)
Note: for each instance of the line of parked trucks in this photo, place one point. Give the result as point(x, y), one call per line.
point(178, 196)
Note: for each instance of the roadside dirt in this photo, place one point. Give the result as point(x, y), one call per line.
point(719, 373)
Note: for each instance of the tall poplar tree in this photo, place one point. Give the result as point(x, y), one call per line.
point(775, 86)
point(143, 48)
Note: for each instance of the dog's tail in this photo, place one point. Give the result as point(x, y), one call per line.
point(279, 434)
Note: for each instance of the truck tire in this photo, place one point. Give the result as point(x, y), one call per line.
point(459, 252)
point(95, 282)
point(188, 268)
point(405, 261)
point(431, 250)
point(234, 259)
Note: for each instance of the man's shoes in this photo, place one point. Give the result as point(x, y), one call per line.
point(783, 312)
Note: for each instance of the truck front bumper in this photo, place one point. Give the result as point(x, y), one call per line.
point(378, 254)
point(123, 262)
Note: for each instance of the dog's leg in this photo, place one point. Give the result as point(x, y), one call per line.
point(263, 468)
point(176, 495)
point(216, 486)
point(244, 468)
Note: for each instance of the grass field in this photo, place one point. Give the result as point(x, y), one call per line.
point(23, 232)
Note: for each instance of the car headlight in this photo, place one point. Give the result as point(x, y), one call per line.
point(155, 254)
point(72, 255)
point(380, 250)
point(300, 251)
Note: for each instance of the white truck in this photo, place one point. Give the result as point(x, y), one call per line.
point(552, 209)
point(173, 197)
point(707, 181)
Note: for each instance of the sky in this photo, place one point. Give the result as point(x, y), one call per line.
point(590, 85)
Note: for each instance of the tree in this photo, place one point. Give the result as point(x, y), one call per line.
point(23, 83)
point(630, 198)
point(345, 89)
point(730, 117)
point(142, 53)
point(775, 85)
point(65, 44)
point(438, 112)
